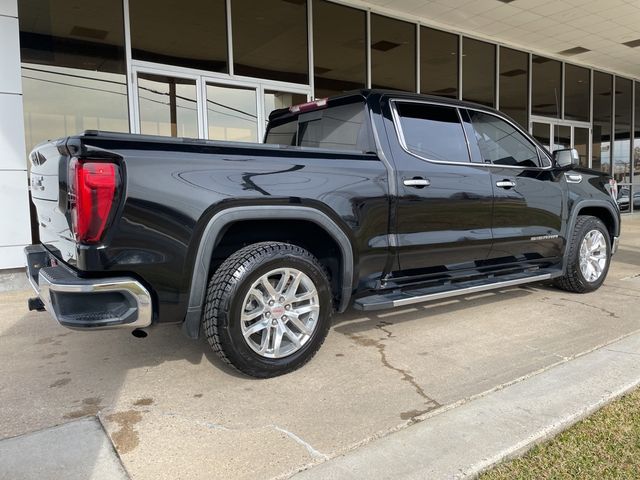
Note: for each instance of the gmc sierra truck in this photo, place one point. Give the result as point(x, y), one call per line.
point(372, 199)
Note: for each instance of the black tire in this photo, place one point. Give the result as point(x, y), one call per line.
point(573, 279)
point(224, 303)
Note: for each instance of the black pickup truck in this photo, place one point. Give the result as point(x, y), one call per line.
point(373, 199)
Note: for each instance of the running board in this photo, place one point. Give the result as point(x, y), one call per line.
point(402, 298)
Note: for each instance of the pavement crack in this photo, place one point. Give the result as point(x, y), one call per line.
point(602, 309)
point(406, 376)
point(312, 451)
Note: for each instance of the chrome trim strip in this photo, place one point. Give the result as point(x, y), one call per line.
point(133, 287)
point(469, 290)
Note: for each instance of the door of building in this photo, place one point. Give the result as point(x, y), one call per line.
point(557, 135)
point(182, 103)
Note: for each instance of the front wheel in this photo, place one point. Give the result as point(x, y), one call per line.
point(268, 309)
point(588, 256)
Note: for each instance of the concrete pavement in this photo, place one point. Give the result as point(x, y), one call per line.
point(173, 410)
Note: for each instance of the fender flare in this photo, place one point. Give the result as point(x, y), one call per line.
point(211, 235)
point(573, 218)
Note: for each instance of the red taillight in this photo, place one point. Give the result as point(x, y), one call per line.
point(93, 191)
point(307, 107)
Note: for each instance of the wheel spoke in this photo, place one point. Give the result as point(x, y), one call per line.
point(293, 286)
point(248, 316)
point(299, 324)
point(304, 297)
point(266, 284)
point(305, 309)
point(277, 341)
point(292, 336)
point(255, 328)
point(266, 340)
point(282, 283)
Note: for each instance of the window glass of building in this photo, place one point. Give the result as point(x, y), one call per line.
point(636, 139)
point(501, 144)
point(270, 39)
point(274, 100)
point(622, 129)
point(339, 48)
point(433, 132)
point(601, 133)
point(73, 68)
point(232, 113)
point(438, 62)
point(192, 34)
point(167, 106)
point(478, 71)
point(393, 53)
point(514, 84)
point(546, 87)
point(577, 88)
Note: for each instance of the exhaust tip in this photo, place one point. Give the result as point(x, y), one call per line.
point(139, 333)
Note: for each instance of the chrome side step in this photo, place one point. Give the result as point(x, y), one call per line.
point(403, 298)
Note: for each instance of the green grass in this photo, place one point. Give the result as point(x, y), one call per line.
point(605, 445)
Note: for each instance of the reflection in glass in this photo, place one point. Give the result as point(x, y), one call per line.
point(274, 100)
point(270, 39)
point(581, 143)
point(167, 106)
point(577, 85)
point(546, 87)
point(73, 73)
point(561, 137)
point(393, 53)
point(438, 62)
point(478, 71)
point(339, 48)
point(514, 84)
point(602, 105)
point(621, 146)
point(232, 113)
point(188, 35)
point(542, 133)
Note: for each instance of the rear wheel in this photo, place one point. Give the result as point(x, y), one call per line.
point(588, 256)
point(268, 309)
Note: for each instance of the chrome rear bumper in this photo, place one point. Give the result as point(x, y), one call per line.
point(87, 303)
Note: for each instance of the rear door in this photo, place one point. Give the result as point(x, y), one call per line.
point(444, 202)
point(528, 195)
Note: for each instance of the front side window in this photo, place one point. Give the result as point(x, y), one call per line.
point(501, 144)
point(433, 132)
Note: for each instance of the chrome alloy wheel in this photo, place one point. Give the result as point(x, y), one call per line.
point(593, 255)
point(280, 312)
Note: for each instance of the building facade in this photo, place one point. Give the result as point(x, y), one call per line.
point(216, 68)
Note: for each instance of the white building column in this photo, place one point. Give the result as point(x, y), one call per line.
point(15, 229)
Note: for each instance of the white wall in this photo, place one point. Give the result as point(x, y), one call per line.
point(15, 230)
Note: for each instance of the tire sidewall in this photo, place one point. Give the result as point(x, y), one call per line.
point(230, 321)
point(592, 224)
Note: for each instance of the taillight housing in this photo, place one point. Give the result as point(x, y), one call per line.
point(93, 187)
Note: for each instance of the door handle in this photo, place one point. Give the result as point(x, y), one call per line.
point(506, 184)
point(417, 182)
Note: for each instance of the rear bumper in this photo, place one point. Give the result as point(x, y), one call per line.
point(83, 303)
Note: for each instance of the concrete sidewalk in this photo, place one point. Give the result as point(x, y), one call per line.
point(463, 441)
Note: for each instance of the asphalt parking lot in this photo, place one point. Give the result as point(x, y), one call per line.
point(173, 410)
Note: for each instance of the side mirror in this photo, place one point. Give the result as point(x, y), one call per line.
point(568, 157)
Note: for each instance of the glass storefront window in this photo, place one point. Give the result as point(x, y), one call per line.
point(393, 53)
point(602, 106)
point(438, 62)
point(577, 86)
point(339, 48)
point(581, 143)
point(478, 71)
point(73, 73)
point(546, 87)
point(622, 131)
point(270, 39)
point(171, 32)
point(514, 84)
point(542, 133)
point(168, 106)
point(232, 113)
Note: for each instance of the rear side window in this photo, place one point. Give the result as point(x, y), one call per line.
point(501, 144)
point(433, 132)
point(341, 127)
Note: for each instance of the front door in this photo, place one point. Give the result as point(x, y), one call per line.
point(528, 195)
point(444, 203)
